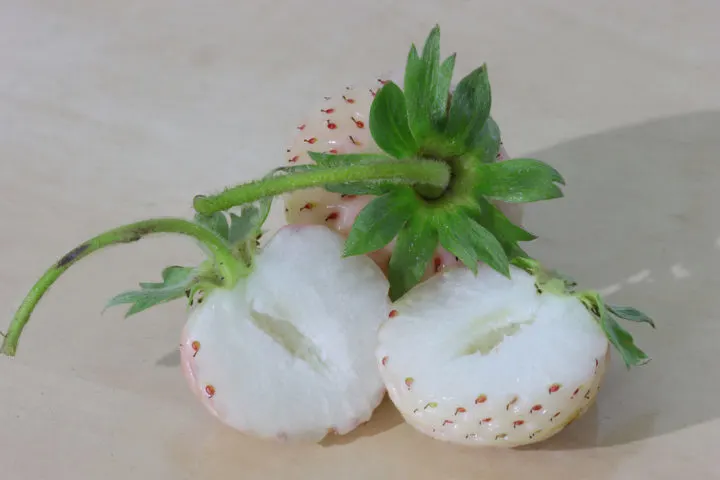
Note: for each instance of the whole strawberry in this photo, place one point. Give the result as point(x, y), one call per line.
point(340, 125)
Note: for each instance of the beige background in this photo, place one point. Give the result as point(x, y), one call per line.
point(117, 110)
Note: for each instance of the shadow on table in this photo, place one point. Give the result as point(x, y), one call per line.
point(639, 222)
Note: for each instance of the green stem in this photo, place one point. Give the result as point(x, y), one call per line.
point(429, 173)
point(229, 267)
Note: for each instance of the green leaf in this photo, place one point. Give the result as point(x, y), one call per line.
point(389, 122)
point(486, 145)
point(518, 181)
point(631, 314)
point(177, 282)
point(469, 110)
point(619, 337)
point(413, 251)
point(506, 232)
point(217, 222)
point(380, 221)
point(424, 95)
point(471, 242)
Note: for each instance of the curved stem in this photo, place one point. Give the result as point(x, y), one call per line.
point(228, 266)
point(430, 173)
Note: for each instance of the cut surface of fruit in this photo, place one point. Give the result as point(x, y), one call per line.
point(288, 353)
point(340, 125)
point(489, 360)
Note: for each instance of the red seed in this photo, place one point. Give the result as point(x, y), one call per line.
point(393, 313)
point(486, 420)
point(517, 423)
point(358, 123)
point(447, 422)
point(535, 408)
point(301, 127)
point(437, 263)
point(331, 125)
point(308, 206)
point(294, 159)
point(310, 140)
point(384, 360)
point(460, 410)
point(348, 100)
point(333, 151)
point(554, 388)
point(327, 110)
point(195, 345)
point(382, 82)
point(210, 391)
point(373, 92)
point(481, 399)
point(332, 216)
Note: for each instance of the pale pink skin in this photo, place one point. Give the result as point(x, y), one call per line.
point(340, 125)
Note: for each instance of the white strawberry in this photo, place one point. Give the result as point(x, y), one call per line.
point(287, 354)
point(280, 340)
point(489, 360)
point(340, 125)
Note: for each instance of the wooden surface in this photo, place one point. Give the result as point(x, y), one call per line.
point(118, 110)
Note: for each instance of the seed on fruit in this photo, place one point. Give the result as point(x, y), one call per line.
point(348, 99)
point(384, 360)
point(195, 345)
point(511, 403)
point(327, 110)
point(447, 422)
point(481, 399)
point(500, 436)
point(294, 159)
point(460, 410)
point(486, 420)
point(301, 127)
point(354, 141)
point(331, 125)
point(333, 151)
point(536, 408)
point(431, 405)
point(210, 391)
point(554, 388)
point(310, 140)
point(358, 123)
point(393, 313)
point(332, 216)
point(409, 381)
point(308, 206)
point(517, 423)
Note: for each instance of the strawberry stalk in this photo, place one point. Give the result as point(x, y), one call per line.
point(226, 267)
point(428, 174)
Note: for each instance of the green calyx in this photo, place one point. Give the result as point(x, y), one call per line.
point(434, 180)
point(607, 316)
point(230, 247)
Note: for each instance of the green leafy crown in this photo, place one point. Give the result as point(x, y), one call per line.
point(427, 121)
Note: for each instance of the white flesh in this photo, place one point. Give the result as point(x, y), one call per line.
point(289, 353)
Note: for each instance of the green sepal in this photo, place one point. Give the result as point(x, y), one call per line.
point(470, 242)
point(485, 147)
point(217, 222)
point(469, 110)
point(413, 252)
point(177, 282)
point(620, 338)
point(389, 122)
point(380, 221)
point(518, 180)
point(630, 314)
point(427, 85)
